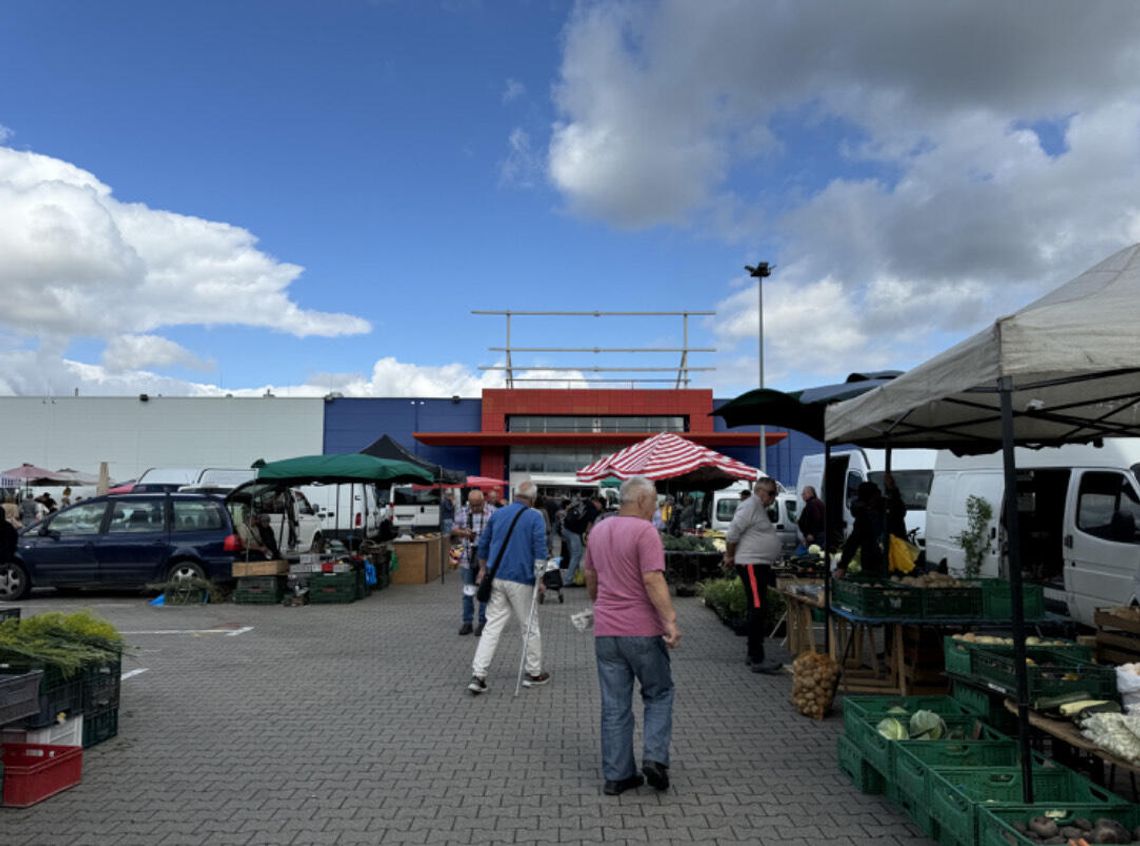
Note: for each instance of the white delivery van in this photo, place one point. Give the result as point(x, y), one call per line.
point(346, 511)
point(912, 470)
point(412, 510)
point(725, 502)
point(170, 479)
point(1078, 511)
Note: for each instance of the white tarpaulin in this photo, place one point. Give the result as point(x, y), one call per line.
point(1073, 358)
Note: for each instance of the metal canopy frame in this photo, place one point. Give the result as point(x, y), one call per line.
point(683, 369)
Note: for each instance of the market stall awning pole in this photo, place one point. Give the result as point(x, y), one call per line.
point(1005, 389)
point(826, 551)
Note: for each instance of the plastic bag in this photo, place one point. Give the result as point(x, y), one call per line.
point(370, 573)
point(1128, 683)
point(903, 555)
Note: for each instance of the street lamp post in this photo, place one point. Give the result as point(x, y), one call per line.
point(760, 272)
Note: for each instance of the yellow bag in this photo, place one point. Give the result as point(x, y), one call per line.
point(903, 555)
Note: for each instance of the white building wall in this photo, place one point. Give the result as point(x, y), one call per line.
point(132, 435)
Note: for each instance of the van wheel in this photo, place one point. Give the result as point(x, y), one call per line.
point(184, 571)
point(14, 581)
point(318, 544)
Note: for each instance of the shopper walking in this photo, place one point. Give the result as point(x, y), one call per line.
point(752, 546)
point(511, 550)
point(634, 627)
point(469, 524)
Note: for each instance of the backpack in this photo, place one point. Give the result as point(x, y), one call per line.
point(575, 518)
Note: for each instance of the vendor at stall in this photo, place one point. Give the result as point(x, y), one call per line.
point(252, 532)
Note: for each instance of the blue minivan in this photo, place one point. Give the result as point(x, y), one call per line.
point(125, 540)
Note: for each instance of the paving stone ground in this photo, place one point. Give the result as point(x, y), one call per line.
point(349, 724)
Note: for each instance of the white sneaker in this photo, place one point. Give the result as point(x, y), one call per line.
point(478, 685)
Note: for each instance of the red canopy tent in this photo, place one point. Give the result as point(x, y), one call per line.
point(670, 458)
point(30, 474)
point(481, 482)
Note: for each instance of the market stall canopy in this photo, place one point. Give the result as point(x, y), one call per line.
point(1072, 359)
point(800, 410)
point(30, 474)
point(481, 482)
point(387, 448)
point(67, 476)
point(670, 458)
point(342, 468)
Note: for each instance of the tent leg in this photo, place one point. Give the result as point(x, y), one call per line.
point(1005, 390)
point(826, 553)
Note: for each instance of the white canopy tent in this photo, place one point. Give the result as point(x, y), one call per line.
point(1064, 369)
point(1072, 359)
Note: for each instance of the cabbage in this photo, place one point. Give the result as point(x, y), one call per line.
point(897, 711)
point(926, 725)
point(892, 729)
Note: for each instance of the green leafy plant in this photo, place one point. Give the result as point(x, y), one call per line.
point(975, 540)
point(67, 642)
point(724, 596)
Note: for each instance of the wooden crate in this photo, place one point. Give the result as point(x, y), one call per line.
point(243, 569)
point(1117, 635)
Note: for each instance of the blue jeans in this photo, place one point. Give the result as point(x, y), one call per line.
point(620, 661)
point(468, 575)
point(572, 554)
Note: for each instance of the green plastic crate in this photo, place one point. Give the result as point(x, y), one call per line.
point(851, 763)
point(876, 598)
point(1055, 672)
point(878, 750)
point(997, 600)
point(912, 759)
point(858, 708)
point(958, 793)
point(943, 603)
point(100, 726)
point(995, 824)
point(959, 654)
point(333, 588)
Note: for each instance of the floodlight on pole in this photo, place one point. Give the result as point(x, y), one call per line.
point(760, 272)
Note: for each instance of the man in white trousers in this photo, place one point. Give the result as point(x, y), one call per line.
point(515, 537)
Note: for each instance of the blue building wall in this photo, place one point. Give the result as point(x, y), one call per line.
point(352, 424)
point(783, 458)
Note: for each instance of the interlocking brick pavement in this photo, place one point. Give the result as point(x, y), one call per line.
point(351, 724)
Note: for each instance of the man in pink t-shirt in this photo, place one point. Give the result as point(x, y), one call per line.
point(634, 627)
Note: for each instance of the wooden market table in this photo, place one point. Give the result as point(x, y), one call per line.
point(418, 560)
point(852, 646)
point(798, 614)
point(1065, 732)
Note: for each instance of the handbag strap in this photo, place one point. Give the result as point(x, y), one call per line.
point(503, 548)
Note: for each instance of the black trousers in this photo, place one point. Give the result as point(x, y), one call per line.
point(757, 578)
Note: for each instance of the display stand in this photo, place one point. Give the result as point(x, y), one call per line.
point(798, 615)
point(418, 560)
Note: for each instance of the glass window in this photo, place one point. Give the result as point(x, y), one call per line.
point(1107, 507)
point(192, 515)
point(407, 495)
point(302, 504)
point(137, 515)
point(914, 486)
point(612, 423)
point(725, 509)
point(83, 519)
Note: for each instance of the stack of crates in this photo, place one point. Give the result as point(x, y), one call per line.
point(260, 590)
point(102, 683)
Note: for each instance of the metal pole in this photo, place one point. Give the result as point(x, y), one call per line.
point(826, 551)
point(1005, 390)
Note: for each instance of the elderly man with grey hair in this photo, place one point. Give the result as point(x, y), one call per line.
point(634, 627)
point(515, 544)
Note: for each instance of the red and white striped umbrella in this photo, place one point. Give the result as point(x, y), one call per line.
point(670, 457)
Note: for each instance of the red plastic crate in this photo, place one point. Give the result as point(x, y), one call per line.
point(33, 772)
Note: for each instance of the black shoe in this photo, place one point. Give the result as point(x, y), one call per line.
point(769, 668)
point(616, 788)
point(478, 685)
point(479, 629)
point(466, 629)
point(656, 774)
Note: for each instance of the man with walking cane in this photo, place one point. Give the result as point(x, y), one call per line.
point(514, 544)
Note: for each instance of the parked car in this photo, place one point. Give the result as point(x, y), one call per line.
point(124, 540)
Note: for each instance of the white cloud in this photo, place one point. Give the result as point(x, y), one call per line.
point(75, 261)
point(5, 134)
point(134, 352)
point(522, 168)
point(513, 90)
point(939, 207)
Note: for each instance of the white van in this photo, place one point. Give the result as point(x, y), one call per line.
point(725, 502)
point(412, 510)
point(1078, 513)
point(346, 511)
point(170, 479)
point(912, 469)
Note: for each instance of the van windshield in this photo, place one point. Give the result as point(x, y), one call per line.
point(914, 486)
point(406, 495)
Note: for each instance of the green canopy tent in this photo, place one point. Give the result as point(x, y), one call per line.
point(346, 468)
point(349, 468)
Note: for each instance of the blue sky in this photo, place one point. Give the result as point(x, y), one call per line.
point(210, 197)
